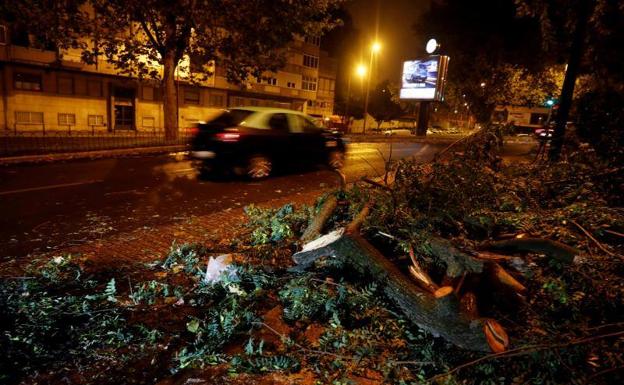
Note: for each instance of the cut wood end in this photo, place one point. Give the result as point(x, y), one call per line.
point(443, 291)
point(323, 241)
point(496, 336)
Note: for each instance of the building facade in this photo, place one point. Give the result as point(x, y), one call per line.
point(45, 91)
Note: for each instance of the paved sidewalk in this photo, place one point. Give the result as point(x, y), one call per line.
point(144, 245)
point(28, 159)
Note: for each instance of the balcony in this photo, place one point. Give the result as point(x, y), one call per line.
point(31, 55)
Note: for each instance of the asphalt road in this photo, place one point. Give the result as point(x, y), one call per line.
point(47, 206)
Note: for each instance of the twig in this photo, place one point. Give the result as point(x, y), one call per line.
point(377, 184)
point(588, 234)
point(603, 372)
point(614, 233)
point(526, 350)
point(370, 165)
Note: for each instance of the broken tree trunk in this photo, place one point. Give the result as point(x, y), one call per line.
point(553, 249)
point(315, 228)
point(442, 316)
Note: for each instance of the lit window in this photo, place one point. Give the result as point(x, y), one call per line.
point(310, 61)
point(66, 119)
point(309, 83)
point(3, 34)
point(28, 117)
point(148, 122)
point(95, 120)
point(29, 82)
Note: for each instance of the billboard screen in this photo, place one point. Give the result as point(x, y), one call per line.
point(424, 79)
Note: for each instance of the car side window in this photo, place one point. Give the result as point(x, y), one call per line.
point(297, 123)
point(309, 126)
point(279, 122)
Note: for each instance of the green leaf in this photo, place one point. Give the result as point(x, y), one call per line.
point(193, 325)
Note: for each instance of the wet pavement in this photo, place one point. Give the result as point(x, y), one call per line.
point(48, 206)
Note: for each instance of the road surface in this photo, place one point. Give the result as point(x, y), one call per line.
point(53, 205)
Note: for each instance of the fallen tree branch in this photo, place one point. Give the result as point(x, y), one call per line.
point(588, 234)
point(525, 350)
point(315, 228)
point(441, 316)
point(553, 249)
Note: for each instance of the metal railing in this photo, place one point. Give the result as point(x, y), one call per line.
point(35, 142)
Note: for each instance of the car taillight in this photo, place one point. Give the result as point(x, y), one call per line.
point(228, 136)
point(194, 131)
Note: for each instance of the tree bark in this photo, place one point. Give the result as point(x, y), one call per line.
point(170, 97)
point(315, 228)
point(553, 249)
point(567, 90)
point(441, 316)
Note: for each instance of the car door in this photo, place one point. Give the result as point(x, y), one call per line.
point(279, 141)
point(307, 138)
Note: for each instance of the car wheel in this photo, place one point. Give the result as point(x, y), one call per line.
point(259, 167)
point(336, 159)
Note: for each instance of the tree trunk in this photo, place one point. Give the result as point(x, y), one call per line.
point(567, 91)
point(441, 315)
point(170, 97)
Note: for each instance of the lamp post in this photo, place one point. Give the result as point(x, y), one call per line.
point(375, 48)
point(360, 71)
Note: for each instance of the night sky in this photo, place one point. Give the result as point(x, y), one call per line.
point(396, 18)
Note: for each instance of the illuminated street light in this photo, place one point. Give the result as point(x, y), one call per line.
point(432, 46)
point(482, 84)
point(360, 70)
point(550, 102)
point(375, 48)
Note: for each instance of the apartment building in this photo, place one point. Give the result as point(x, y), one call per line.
point(45, 91)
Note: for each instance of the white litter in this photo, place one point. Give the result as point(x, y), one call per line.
point(217, 266)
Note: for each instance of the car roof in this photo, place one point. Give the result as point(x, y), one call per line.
point(259, 117)
point(269, 110)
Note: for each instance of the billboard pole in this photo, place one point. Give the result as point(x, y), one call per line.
point(423, 118)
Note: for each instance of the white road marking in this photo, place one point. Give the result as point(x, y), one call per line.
point(53, 186)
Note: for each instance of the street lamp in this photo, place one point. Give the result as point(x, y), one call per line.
point(375, 48)
point(360, 71)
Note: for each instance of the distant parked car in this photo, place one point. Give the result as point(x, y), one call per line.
point(252, 140)
point(398, 132)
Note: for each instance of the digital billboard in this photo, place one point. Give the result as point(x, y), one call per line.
point(424, 79)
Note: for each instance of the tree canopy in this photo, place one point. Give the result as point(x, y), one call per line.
point(149, 38)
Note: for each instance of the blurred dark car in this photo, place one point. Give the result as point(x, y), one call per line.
point(252, 140)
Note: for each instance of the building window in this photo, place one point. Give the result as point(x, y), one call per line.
point(65, 85)
point(309, 83)
point(29, 82)
point(95, 120)
point(148, 93)
point(3, 35)
point(314, 40)
point(216, 100)
point(191, 96)
point(94, 88)
point(66, 119)
point(291, 85)
point(310, 61)
point(149, 122)
point(28, 117)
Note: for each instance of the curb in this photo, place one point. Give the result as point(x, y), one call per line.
point(30, 159)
